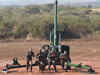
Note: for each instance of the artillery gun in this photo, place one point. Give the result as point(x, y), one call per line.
point(55, 39)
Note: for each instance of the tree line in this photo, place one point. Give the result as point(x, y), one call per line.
point(18, 22)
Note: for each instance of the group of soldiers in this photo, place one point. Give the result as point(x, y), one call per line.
point(50, 55)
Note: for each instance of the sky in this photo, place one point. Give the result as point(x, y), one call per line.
point(23, 2)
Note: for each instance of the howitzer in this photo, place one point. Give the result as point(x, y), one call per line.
point(55, 38)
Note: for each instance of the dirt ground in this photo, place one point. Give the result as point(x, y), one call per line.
point(84, 51)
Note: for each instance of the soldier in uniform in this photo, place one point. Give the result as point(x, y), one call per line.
point(29, 56)
point(62, 60)
point(58, 52)
point(15, 61)
point(52, 59)
point(66, 61)
point(42, 60)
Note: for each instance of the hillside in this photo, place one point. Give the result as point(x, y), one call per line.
point(18, 22)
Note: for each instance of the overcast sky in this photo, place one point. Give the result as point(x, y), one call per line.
point(8, 2)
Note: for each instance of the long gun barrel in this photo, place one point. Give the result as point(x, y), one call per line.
point(55, 42)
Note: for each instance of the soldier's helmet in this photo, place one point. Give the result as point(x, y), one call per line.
point(65, 52)
point(15, 58)
point(46, 47)
point(42, 50)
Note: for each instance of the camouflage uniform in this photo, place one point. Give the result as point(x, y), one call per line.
point(29, 56)
point(52, 60)
point(15, 61)
point(42, 60)
point(62, 60)
point(67, 60)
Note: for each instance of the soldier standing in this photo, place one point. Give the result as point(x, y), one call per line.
point(42, 60)
point(52, 59)
point(29, 56)
point(67, 60)
point(62, 60)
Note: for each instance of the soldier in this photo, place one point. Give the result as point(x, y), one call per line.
point(52, 59)
point(67, 60)
point(29, 56)
point(46, 48)
point(62, 60)
point(15, 61)
point(43, 55)
point(42, 60)
point(58, 52)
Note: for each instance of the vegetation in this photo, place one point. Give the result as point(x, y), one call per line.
point(18, 22)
